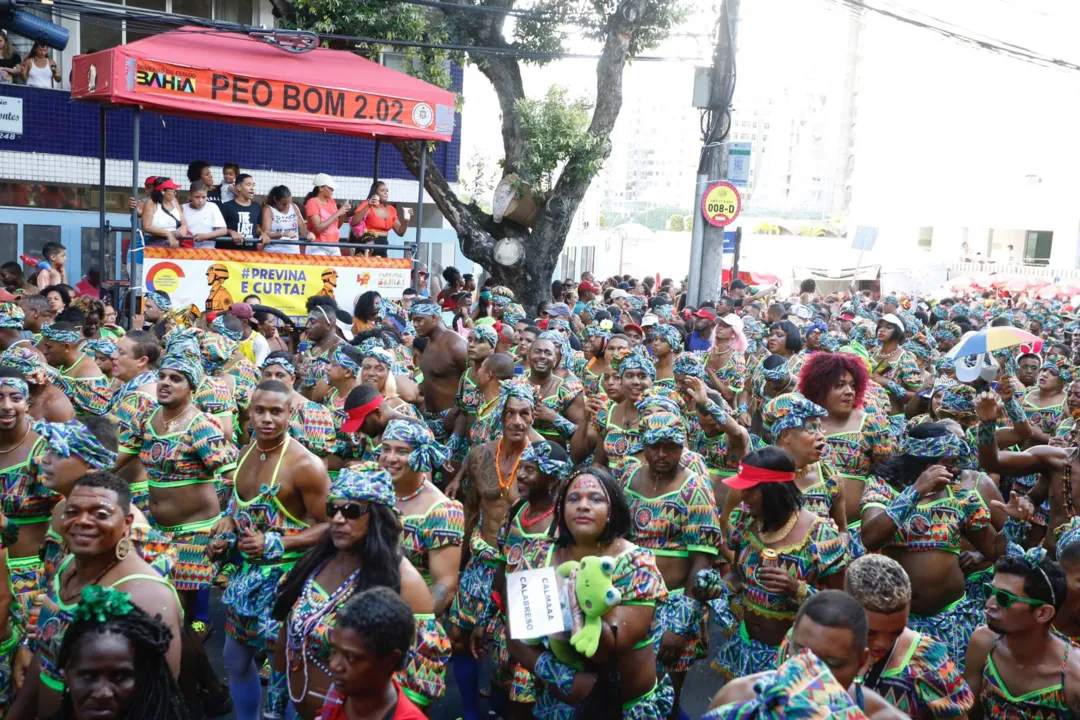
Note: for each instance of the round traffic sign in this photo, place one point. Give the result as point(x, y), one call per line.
point(721, 204)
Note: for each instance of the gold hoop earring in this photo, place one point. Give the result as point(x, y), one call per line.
point(123, 548)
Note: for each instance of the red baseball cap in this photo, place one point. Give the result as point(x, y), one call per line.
point(150, 181)
point(632, 326)
point(355, 418)
point(705, 313)
point(750, 476)
point(586, 285)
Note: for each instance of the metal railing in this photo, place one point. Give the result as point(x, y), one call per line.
point(985, 268)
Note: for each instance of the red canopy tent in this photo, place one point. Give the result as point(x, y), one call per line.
point(255, 80)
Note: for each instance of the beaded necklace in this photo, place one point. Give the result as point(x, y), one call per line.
point(504, 486)
point(415, 493)
point(305, 617)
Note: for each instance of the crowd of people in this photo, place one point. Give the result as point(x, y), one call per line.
point(797, 490)
point(228, 215)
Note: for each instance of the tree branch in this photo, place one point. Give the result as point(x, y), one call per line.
point(504, 73)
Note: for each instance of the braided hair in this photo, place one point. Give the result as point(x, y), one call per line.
point(156, 693)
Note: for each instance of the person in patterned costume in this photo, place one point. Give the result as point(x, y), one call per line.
point(241, 368)
point(310, 423)
point(858, 437)
point(277, 511)
point(377, 370)
point(1016, 666)
point(25, 503)
point(560, 404)
point(540, 473)
point(666, 346)
point(783, 552)
point(361, 551)
point(895, 369)
point(673, 516)
point(1045, 404)
point(489, 491)
point(913, 672)
point(600, 344)
point(612, 428)
point(78, 376)
point(135, 366)
point(592, 518)
point(1067, 619)
point(916, 513)
point(434, 525)
point(832, 626)
point(725, 362)
point(343, 375)
point(314, 356)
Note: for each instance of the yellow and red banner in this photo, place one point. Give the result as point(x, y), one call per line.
point(212, 280)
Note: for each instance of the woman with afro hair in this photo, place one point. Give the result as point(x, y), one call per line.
point(858, 436)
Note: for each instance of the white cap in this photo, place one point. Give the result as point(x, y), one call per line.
point(733, 320)
point(649, 320)
point(893, 320)
point(324, 179)
point(618, 294)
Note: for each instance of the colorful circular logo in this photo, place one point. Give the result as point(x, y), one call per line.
point(164, 277)
point(422, 116)
point(721, 204)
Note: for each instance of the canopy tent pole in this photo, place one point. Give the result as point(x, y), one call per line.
point(419, 207)
point(375, 171)
point(103, 273)
point(134, 247)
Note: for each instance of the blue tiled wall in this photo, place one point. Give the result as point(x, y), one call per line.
point(52, 123)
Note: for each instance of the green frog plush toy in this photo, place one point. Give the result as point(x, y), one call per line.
point(594, 595)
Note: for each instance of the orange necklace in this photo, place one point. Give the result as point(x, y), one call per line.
point(504, 486)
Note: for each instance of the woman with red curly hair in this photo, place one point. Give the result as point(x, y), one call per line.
point(858, 435)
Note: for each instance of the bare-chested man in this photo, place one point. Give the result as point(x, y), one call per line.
point(36, 311)
point(80, 377)
point(47, 401)
point(276, 481)
point(490, 490)
point(443, 363)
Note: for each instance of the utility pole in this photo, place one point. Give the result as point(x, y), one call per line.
point(707, 241)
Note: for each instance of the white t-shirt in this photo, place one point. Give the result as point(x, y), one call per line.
point(260, 347)
point(206, 219)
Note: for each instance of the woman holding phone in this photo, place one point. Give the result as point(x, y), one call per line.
point(375, 218)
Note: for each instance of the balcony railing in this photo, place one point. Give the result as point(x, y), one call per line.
point(984, 268)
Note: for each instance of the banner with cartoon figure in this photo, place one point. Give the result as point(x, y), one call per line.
point(212, 280)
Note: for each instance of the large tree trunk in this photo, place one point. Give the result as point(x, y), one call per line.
point(530, 278)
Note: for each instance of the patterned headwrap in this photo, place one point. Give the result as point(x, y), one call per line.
point(365, 483)
point(790, 410)
point(944, 364)
point(220, 327)
point(598, 330)
point(339, 357)
point(516, 388)
point(778, 373)
point(285, 364)
point(959, 399)
point(891, 300)
point(635, 360)
point(654, 397)
point(663, 427)
point(636, 302)
point(566, 353)
point(425, 310)
point(559, 323)
point(17, 384)
point(865, 335)
point(540, 453)
point(409, 330)
point(665, 311)
point(485, 334)
point(74, 438)
point(1011, 366)
point(34, 370)
point(49, 332)
point(183, 340)
point(187, 364)
point(379, 353)
point(100, 348)
point(945, 330)
point(11, 316)
point(689, 364)
point(1067, 533)
point(101, 604)
point(947, 445)
point(1059, 366)
point(818, 325)
point(919, 350)
point(160, 300)
point(215, 350)
point(502, 291)
point(669, 334)
point(428, 454)
point(594, 306)
point(939, 312)
point(832, 341)
point(513, 314)
point(499, 300)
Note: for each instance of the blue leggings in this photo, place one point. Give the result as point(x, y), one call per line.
point(243, 679)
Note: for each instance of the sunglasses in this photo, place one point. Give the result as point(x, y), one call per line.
point(1005, 599)
point(349, 511)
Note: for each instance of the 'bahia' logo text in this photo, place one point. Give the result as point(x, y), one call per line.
point(165, 81)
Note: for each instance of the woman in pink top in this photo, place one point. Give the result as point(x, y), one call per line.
point(324, 216)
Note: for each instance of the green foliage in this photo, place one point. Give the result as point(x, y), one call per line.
point(688, 223)
point(655, 23)
point(389, 21)
point(675, 223)
point(556, 128)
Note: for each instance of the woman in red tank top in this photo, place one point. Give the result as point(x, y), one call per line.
point(375, 218)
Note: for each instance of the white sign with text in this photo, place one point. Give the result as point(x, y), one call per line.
point(11, 117)
point(533, 605)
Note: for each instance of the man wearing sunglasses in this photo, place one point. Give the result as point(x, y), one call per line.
point(1017, 667)
point(277, 482)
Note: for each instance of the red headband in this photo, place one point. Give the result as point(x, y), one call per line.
point(750, 476)
point(355, 417)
